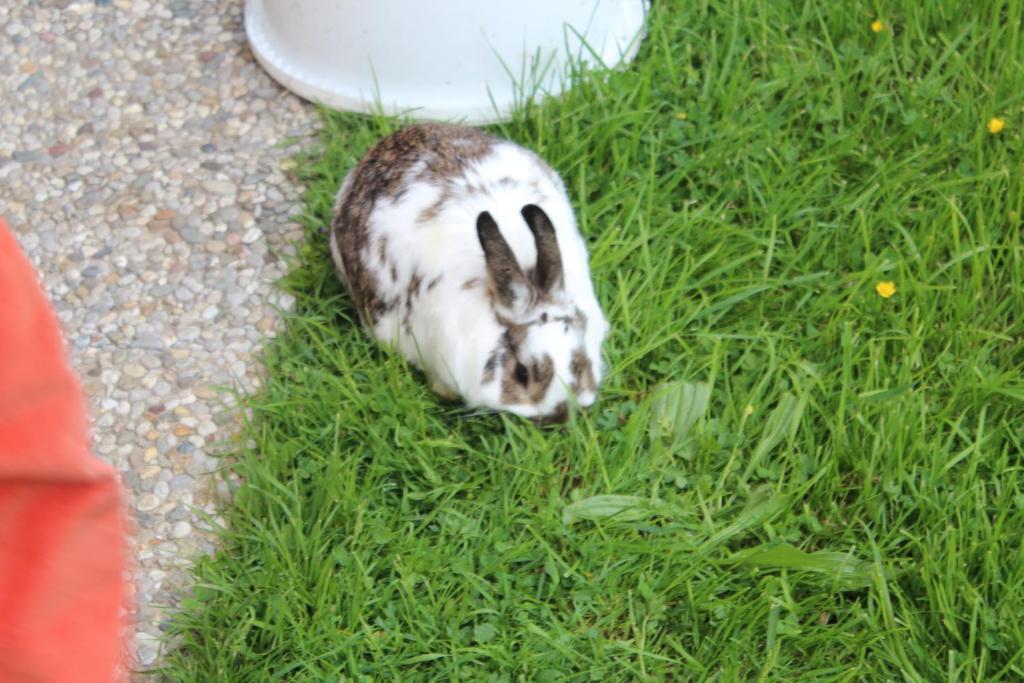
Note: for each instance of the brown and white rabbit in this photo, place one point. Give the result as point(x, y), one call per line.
point(461, 250)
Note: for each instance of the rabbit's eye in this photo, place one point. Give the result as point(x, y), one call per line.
point(521, 375)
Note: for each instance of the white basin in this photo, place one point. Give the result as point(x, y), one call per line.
point(458, 60)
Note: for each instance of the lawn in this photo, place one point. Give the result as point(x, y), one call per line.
point(787, 476)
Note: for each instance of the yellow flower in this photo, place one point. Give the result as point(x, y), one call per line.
point(748, 411)
point(885, 289)
point(681, 116)
point(995, 125)
point(877, 26)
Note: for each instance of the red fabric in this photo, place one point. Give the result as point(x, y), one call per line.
point(62, 553)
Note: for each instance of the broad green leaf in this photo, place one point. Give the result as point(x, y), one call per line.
point(758, 511)
point(676, 408)
point(850, 572)
point(621, 508)
point(783, 422)
point(484, 633)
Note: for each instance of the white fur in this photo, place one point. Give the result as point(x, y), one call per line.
point(454, 329)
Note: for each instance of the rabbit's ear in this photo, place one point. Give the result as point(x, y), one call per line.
point(548, 274)
point(510, 285)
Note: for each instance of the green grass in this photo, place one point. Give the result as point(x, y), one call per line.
point(787, 477)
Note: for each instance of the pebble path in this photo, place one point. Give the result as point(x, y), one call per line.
point(144, 169)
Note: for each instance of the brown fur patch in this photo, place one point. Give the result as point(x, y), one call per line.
point(471, 283)
point(434, 210)
point(557, 416)
point(514, 336)
point(578, 320)
point(444, 149)
point(491, 366)
point(582, 372)
point(413, 290)
point(433, 283)
point(540, 373)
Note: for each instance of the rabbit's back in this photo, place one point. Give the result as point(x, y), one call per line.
point(406, 215)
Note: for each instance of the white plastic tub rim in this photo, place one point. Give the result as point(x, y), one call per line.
point(410, 58)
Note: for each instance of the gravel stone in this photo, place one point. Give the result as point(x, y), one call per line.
point(148, 340)
point(178, 514)
point(219, 187)
point(191, 235)
point(141, 170)
point(148, 653)
point(181, 530)
point(182, 482)
point(134, 370)
point(26, 156)
point(130, 479)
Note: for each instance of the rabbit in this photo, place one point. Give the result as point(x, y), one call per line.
point(461, 251)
